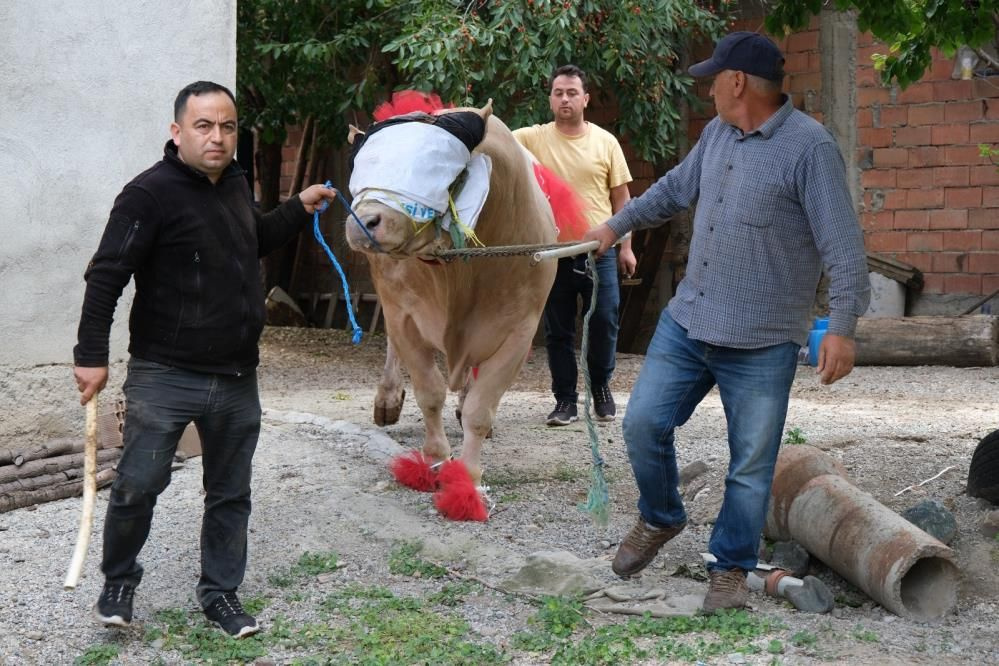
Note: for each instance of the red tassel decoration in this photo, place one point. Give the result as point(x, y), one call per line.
point(408, 101)
point(458, 498)
point(414, 471)
point(567, 206)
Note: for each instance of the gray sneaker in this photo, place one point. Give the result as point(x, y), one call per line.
point(603, 403)
point(228, 613)
point(563, 414)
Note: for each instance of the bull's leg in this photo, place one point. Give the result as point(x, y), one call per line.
point(496, 374)
point(429, 386)
point(390, 394)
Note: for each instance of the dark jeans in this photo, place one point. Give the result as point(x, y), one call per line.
point(161, 401)
point(560, 315)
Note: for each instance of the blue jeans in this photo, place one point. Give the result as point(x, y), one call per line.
point(160, 402)
point(561, 311)
point(754, 385)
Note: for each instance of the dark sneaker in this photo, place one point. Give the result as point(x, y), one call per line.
point(603, 403)
point(114, 606)
point(563, 414)
point(726, 589)
point(228, 613)
point(640, 547)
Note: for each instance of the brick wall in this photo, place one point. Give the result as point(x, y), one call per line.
point(928, 198)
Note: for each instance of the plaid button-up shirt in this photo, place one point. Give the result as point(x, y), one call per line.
point(773, 208)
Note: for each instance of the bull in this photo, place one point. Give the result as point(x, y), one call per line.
point(481, 314)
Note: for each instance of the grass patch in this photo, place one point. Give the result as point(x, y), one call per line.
point(561, 630)
point(403, 561)
point(190, 634)
point(313, 564)
point(100, 654)
point(371, 625)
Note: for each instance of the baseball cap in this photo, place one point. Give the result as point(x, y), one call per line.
point(748, 52)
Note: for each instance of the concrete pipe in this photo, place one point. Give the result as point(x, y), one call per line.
point(897, 564)
point(796, 466)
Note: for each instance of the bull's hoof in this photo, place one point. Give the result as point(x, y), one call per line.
point(458, 497)
point(388, 414)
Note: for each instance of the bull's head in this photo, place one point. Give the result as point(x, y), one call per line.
point(402, 176)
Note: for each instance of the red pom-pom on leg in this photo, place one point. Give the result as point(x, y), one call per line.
point(458, 498)
point(414, 471)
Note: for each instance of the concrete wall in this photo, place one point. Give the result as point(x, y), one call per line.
point(87, 90)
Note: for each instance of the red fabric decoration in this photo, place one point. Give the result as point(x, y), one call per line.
point(408, 101)
point(567, 206)
point(414, 471)
point(458, 498)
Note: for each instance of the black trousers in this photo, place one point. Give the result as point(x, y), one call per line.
point(161, 402)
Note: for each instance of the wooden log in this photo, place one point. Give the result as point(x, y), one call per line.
point(60, 491)
point(109, 433)
point(9, 473)
point(964, 341)
point(45, 480)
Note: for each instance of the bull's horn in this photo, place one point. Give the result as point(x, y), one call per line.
point(487, 110)
point(353, 132)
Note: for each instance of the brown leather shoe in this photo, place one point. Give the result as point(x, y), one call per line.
point(640, 547)
point(726, 589)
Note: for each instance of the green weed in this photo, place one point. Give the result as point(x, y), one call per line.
point(97, 655)
point(403, 561)
point(313, 564)
point(866, 635)
point(795, 436)
point(804, 639)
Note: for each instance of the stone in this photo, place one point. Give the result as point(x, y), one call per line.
point(791, 557)
point(990, 524)
point(692, 471)
point(932, 517)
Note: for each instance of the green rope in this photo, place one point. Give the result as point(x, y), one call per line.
point(597, 499)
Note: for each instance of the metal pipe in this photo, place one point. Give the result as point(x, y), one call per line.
point(567, 251)
point(897, 564)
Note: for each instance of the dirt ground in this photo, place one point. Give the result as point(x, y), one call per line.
point(321, 484)
point(891, 427)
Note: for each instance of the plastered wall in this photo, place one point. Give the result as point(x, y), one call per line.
point(86, 96)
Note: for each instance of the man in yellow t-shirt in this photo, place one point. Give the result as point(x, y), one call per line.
point(591, 160)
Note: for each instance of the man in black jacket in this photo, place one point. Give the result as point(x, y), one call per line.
point(186, 230)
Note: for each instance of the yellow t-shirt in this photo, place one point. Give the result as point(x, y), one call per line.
point(593, 163)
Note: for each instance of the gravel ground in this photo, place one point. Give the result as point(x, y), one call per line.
point(320, 485)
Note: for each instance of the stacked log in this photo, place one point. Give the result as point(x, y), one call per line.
point(53, 470)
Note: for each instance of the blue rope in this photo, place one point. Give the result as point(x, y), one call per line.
point(317, 232)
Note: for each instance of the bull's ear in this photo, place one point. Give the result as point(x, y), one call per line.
point(487, 110)
point(352, 134)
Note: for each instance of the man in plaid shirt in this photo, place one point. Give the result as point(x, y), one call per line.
point(773, 210)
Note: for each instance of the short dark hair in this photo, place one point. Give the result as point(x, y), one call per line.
point(567, 70)
point(197, 88)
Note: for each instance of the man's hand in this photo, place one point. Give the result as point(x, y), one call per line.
point(626, 261)
point(89, 381)
point(604, 234)
point(836, 356)
point(313, 196)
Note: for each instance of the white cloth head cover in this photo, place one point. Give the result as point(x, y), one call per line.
point(410, 167)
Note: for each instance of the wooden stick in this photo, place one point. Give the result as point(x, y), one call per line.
point(922, 483)
point(89, 498)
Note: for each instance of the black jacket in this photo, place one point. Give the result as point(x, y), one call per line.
point(193, 248)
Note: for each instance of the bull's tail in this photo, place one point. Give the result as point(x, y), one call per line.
point(567, 206)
